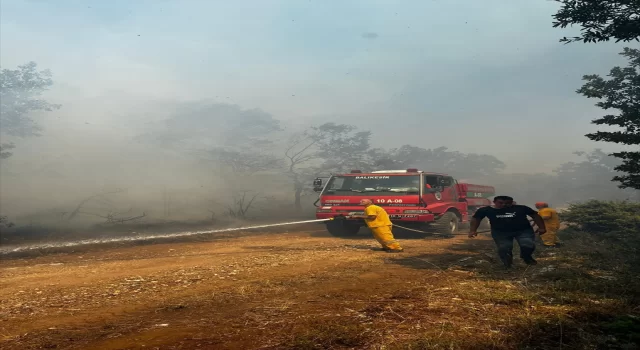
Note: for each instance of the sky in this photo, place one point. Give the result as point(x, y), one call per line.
point(475, 76)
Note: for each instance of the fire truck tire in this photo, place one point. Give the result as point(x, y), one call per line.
point(342, 228)
point(448, 224)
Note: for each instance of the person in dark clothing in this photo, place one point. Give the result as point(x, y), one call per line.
point(509, 222)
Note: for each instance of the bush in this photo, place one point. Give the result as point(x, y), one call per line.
point(597, 216)
point(4, 222)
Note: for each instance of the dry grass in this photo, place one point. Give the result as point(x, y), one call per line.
point(329, 334)
point(296, 292)
point(584, 295)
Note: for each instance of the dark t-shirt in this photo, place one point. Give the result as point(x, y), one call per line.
point(509, 219)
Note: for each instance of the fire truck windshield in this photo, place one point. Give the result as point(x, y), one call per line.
point(366, 184)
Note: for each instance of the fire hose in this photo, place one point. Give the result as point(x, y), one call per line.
point(5, 250)
point(415, 230)
point(438, 234)
point(459, 234)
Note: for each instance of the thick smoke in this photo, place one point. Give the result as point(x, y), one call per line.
point(137, 123)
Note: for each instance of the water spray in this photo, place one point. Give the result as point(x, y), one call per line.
point(148, 237)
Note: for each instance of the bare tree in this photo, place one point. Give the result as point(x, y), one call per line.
point(240, 168)
point(246, 162)
point(299, 153)
point(115, 217)
point(242, 202)
point(324, 149)
point(101, 197)
point(213, 216)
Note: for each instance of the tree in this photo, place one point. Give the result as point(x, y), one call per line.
point(341, 147)
point(437, 160)
point(4, 222)
point(601, 20)
point(242, 169)
point(528, 188)
point(204, 125)
point(20, 92)
point(100, 198)
point(241, 203)
point(237, 142)
point(299, 152)
point(4, 150)
point(245, 161)
point(589, 178)
point(323, 149)
point(622, 93)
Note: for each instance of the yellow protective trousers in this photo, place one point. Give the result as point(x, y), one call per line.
point(550, 238)
point(384, 236)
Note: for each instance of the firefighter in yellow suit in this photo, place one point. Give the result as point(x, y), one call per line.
point(552, 223)
point(378, 221)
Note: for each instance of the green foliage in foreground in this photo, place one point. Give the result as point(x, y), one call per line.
point(604, 216)
point(621, 92)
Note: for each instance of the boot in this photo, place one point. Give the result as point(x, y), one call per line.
point(508, 262)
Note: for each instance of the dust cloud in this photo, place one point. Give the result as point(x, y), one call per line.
point(223, 117)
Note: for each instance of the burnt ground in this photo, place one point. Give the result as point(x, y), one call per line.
point(307, 290)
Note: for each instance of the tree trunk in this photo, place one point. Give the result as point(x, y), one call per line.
point(297, 197)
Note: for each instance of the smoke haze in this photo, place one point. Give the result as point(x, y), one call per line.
point(184, 109)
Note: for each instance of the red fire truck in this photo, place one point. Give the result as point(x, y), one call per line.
point(431, 202)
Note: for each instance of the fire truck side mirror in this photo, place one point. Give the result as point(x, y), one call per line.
point(317, 185)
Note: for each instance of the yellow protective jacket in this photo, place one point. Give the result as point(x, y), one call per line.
point(382, 218)
point(550, 217)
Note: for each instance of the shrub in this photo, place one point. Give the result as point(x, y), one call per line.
point(4, 222)
point(596, 216)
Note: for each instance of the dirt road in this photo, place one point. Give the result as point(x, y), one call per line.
point(293, 290)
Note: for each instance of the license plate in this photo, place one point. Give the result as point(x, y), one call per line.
point(396, 216)
point(356, 213)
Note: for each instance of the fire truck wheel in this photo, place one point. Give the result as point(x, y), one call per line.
point(448, 224)
point(342, 228)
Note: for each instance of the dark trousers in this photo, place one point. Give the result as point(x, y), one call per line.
point(504, 241)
